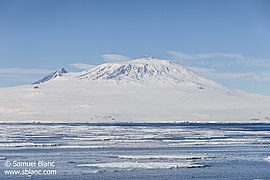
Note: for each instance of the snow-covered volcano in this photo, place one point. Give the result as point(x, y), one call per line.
point(146, 71)
point(143, 90)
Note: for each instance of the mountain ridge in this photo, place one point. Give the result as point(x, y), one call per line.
point(51, 76)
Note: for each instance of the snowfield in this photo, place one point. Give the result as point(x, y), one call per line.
point(143, 90)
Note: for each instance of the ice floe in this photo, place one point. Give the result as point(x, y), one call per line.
point(3, 158)
point(163, 156)
point(143, 165)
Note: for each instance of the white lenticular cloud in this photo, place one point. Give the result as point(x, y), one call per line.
point(115, 58)
point(206, 55)
point(252, 76)
point(202, 70)
point(237, 58)
point(82, 66)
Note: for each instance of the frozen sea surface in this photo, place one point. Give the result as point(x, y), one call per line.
point(138, 150)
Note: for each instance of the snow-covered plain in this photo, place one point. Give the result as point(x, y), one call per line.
point(144, 90)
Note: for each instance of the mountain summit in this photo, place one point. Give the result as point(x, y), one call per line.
point(146, 71)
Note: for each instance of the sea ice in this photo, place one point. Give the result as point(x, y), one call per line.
point(143, 165)
point(163, 156)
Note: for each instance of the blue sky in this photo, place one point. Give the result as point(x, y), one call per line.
point(228, 41)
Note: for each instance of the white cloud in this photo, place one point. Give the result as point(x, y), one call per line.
point(251, 76)
point(222, 59)
point(82, 66)
point(205, 55)
point(19, 76)
point(4, 71)
point(115, 58)
point(200, 70)
point(254, 76)
point(238, 58)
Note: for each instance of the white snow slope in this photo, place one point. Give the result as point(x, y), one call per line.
point(143, 90)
